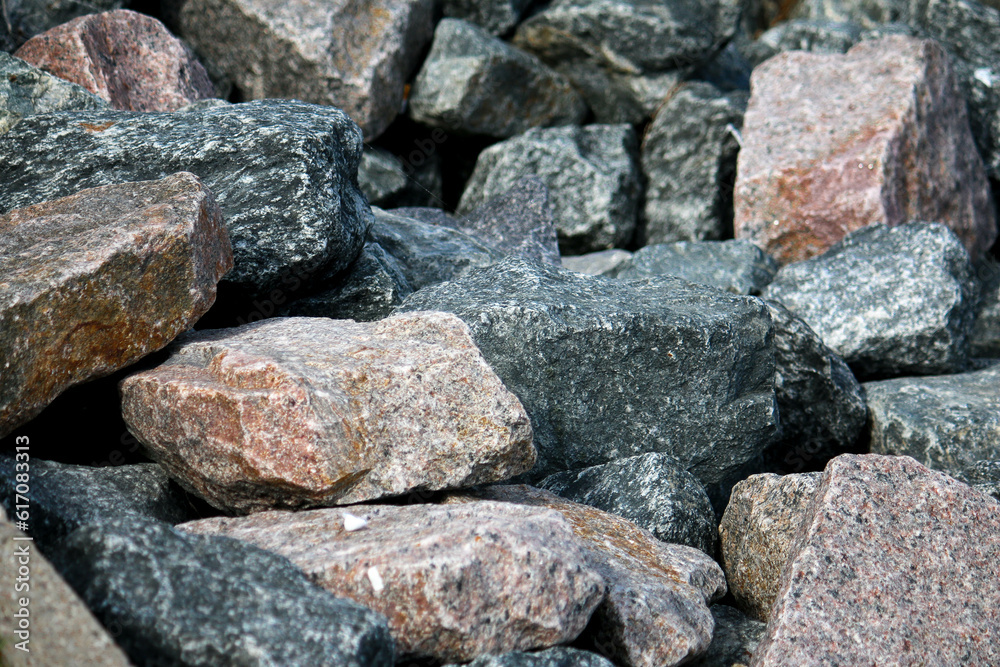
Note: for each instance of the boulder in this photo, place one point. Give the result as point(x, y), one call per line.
point(601, 263)
point(736, 266)
point(495, 16)
point(23, 19)
point(27, 90)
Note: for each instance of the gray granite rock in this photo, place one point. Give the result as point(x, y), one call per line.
point(601, 263)
point(609, 369)
point(495, 16)
point(652, 491)
point(734, 639)
point(473, 83)
point(559, 656)
point(181, 599)
point(984, 341)
point(736, 266)
point(381, 177)
point(689, 161)
point(27, 90)
point(817, 35)
point(283, 172)
point(592, 174)
point(23, 19)
point(889, 300)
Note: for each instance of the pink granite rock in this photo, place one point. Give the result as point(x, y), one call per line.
point(127, 58)
point(454, 581)
point(833, 143)
point(299, 412)
point(893, 564)
point(93, 282)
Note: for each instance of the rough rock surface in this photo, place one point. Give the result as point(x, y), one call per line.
point(177, 598)
point(474, 83)
point(27, 90)
point(601, 263)
point(889, 300)
point(689, 161)
point(388, 183)
point(355, 56)
point(294, 412)
point(94, 282)
point(282, 172)
point(591, 172)
point(869, 576)
point(817, 36)
point(824, 154)
point(454, 581)
point(736, 266)
point(26, 18)
point(559, 656)
point(495, 16)
point(756, 535)
point(127, 58)
point(651, 491)
point(985, 338)
point(734, 639)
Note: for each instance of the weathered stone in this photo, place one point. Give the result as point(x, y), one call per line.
point(60, 629)
point(650, 490)
point(689, 160)
point(356, 56)
point(600, 263)
point(559, 656)
point(127, 58)
point(23, 19)
point(892, 563)
point(655, 612)
point(177, 598)
point(94, 282)
point(984, 341)
point(757, 533)
point(825, 154)
point(282, 172)
point(591, 172)
point(454, 581)
point(734, 640)
point(298, 412)
point(474, 83)
point(737, 266)
point(889, 300)
point(495, 16)
point(26, 91)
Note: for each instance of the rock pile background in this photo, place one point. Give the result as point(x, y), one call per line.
point(505, 333)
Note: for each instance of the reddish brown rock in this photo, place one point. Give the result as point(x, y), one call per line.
point(893, 564)
point(127, 58)
point(833, 143)
point(93, 282)
point(298, 412)
point(454, 581)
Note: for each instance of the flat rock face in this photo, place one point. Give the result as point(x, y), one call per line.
point(870, 576)
point(889, 300)
point(757, 532)
point(609, 369)
point(833, 143)
point(294, 412)
point(592, 174)
point(94, 282)
point(474, 83)
point(127, 58)
point(454, 581)
point(495, 16)
point(355, 56)
point(27, 90)
point(283, 173)
point(189, 599)
point(736, 266)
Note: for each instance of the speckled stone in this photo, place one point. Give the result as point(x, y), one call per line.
point(298, 412)
point(757, 532)
point(381, 177)
point(817, 36)
point(736, 266)
point(833, 143)
point(601, 263)
point(655, 613)
point(734, 640)
point(891, 564)
point(456, 581)
point(94, 282)
point(559, 656)
point(26, 18)
point(27, 90)
point(127, 58)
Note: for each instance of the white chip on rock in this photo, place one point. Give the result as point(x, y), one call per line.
point(353, 523)
point(376, 579)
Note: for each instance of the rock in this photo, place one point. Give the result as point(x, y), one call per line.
point(96, 281)
point(473, 83)
point(655, 612)
point(354, 56)
point(177, 598)
point(824, 155)
point(496, 17)
point(127, 58)
point(381, 177)
point(734, 640)
point(26, 91)
point(559, 656)
point(299, 412)
point(23, 19)
point(282, 172)
point(601, 263)
point(889, 300)
point(454, 581)
point(737, 266)
point(54, 627)
point(615, 97)
point(591, 172)
point(869, 576)
point(948, 423)
point(984, 341)
point(651, 491)
point(817, 36)
point(689, 160)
